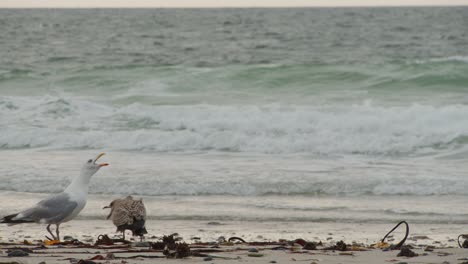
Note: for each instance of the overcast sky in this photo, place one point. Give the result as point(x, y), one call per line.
point(223, 3)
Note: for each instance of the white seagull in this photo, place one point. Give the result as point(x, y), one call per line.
point(61, 207)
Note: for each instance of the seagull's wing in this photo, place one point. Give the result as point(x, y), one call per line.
point(53, 209)
point(121, 216)
point(139, 209)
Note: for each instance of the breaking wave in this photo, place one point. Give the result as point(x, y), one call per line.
point(65, 123)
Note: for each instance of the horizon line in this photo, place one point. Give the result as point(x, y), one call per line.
point(229, 6)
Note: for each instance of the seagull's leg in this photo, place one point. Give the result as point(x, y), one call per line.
point(123, 233)
point(57, 231)
point(50, 232)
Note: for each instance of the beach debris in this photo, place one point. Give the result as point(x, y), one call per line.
point(139, 257)
point(207, 259)
point(158, 245)
point(465, 242)
point(51, 242)
point(310, 246)
point(85, 261)
point(300, 241)
point(106, 240)
point(340, 246)
point(255, 255)
point(414, 238)
point(358, 248)
point(306, 244)
point(279, 248)
point(128, 214)
point(213, 223)
point(296, 247)
point(253, 250)
point(168, 242)
point(27, 250)
point(232, 239)
point(98, 257)
point(443, 254)
point(382, 243)
point(181, 250)
point(198, 254)
point(406, 252)
point(18, 253)
point(429, 248)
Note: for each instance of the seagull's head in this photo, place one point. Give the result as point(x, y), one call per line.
point(91, 167)
point(112, 206)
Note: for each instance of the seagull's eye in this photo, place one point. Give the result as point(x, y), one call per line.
point(89, 161)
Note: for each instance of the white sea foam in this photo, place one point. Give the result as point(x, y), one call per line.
point(64, 123)
point(161, 174)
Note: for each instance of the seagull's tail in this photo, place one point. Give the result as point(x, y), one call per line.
point(9, 219)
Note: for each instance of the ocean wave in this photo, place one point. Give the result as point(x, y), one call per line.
point(363, 129)
point(459, 58)
point(193, 182)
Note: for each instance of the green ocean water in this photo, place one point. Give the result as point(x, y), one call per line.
point(240, 53)
point(195, 75)
point(365, 87)
point(355, 115)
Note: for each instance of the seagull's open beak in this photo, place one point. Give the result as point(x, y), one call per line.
point(102, 164)
point(106, 207)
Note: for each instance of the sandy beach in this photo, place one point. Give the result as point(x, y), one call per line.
point(236, 254)
point(228, 254)
point(273, 241)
